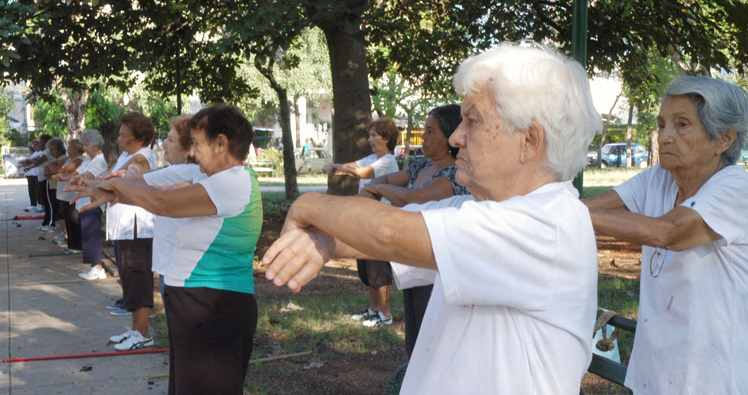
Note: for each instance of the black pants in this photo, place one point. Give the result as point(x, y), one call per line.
point(90, 227)
point(33, 185)
point(136, 260)
point(415, 301)
point(210, 339)
point(49, 201)
point(72, 224)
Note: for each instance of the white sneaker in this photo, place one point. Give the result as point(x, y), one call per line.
point(49, 228)
point(30, 208)
point(92, 273)
point(122, 337)
point(60, 239)
point(136, 341)
point(378, 321)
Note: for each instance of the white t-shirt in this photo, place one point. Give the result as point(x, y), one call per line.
point(165, 227)
point(217, 251)
point(121, 218)
point(513, 306)
point(40, 169)
point(691, 329)
point(96, 166)
point(34, 170)
point(382, 166)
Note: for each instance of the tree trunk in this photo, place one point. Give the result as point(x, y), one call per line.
point(75, 103)
point(605, 132)
point(628, 136)
point(408, 134)
point(351, 98)
point(289, 164)
point(298, 121)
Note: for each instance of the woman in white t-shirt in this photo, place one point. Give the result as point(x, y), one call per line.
point(513, 305)
point(689, 213)
point(89, 221)
point(376, 275)
point(209, 294)
point(71, 232)
point(182, 168)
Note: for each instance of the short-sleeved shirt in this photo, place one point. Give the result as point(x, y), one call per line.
point(408, 276)
point(217, 251)
point(165, 227)
point(32, 172)
point(691, 329)
point(382, 166)
point(513, 307)
point(96, 166)
point(121, 219)
point(48, 158)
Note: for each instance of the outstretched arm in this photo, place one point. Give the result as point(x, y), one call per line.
point(437, 189)
point(680, 229)
point(358, 226)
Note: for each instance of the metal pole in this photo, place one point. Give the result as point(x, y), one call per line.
point(579, 52)
point(103, 354)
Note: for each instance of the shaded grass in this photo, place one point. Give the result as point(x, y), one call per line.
point(594, 190)
point(322, 323)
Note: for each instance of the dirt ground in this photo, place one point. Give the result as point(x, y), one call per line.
point(368, 374)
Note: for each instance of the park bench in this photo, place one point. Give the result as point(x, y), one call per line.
point(262, 166)
point(601, 366)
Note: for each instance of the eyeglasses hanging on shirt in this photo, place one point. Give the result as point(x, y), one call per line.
point(657, 261)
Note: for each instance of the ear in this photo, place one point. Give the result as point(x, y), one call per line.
point(533, 143)
point(222, 142)
point(727, 138)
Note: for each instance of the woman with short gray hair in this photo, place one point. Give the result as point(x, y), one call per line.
point(689, 213)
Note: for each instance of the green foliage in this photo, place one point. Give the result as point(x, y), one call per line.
point(102, 108)
point(7, 135)
point(272, 154)
point(49, 116)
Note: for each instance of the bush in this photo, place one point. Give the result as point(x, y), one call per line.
point(272, 154)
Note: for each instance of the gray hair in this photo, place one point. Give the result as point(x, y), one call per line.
point(531, 82)
point(56, 144)
point(721, 106)
point(76, 145)
point(93, 136)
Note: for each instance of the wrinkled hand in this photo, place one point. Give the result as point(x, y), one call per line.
point(370, 192)
point(100, 194)
point(298, 256)
point(57, 177)
point(328, 169)
point(116, 174)
point(80, 179)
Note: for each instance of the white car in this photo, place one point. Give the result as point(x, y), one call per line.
point(318, 157)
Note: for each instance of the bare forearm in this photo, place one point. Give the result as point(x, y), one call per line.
point(372, 228)
point(678, 230)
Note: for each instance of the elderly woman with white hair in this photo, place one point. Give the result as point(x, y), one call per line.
point(689, 213)
point(90, 221)
point(513, 306)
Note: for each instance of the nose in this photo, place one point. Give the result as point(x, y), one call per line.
point(665, 134)
point(192, 151)
point(457, 139)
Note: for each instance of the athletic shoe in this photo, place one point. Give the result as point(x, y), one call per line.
point(39, 210)
point(60, 239)
point(92, 273)
point(366, 315)
point(377, 321)
point(135, 342)
point(120, 311)
point(30, 208)
point(39, 227)
point(122, 337)
point(50, 228)
point(116, 305)
point(72, 251)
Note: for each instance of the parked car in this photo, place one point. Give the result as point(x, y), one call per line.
point(614, 155)
point(318, 158)
point(416, 153)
